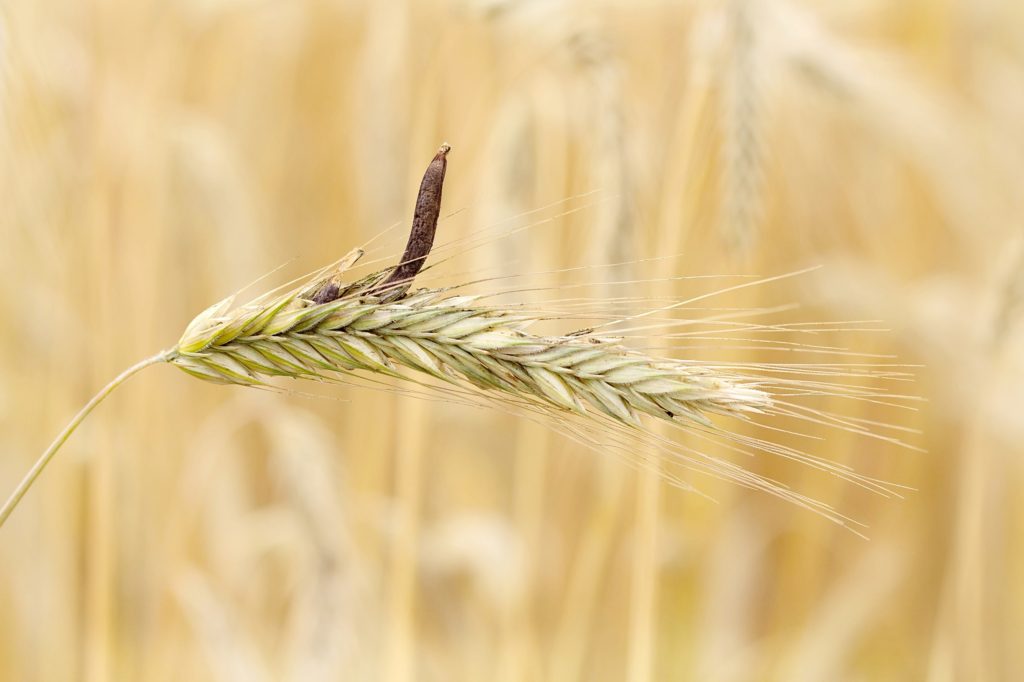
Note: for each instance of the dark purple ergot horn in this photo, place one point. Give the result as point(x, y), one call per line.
point(424, 225)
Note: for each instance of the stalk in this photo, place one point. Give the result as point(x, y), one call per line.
point(44, 459)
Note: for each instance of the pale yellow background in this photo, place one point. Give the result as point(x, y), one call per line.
point(156, 156)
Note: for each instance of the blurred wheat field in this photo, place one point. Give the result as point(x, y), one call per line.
point(158, 156)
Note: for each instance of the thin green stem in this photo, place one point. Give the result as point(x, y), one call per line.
point(45, 458)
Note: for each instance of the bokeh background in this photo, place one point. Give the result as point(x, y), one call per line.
point(157, 156)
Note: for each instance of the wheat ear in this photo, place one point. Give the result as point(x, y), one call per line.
point(456, 339)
